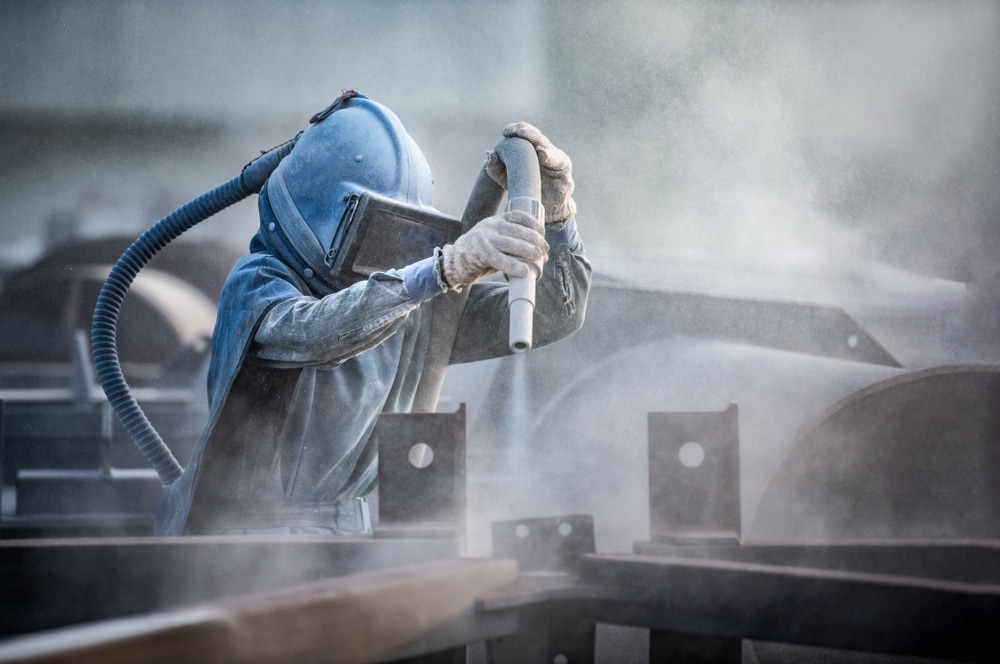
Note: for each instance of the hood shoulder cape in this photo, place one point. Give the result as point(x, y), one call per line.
point(245, 398)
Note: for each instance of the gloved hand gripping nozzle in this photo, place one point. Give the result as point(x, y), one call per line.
point(555, 194)
point(483, 204)
point(512, 243)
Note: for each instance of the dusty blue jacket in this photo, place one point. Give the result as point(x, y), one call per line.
point(298, 378)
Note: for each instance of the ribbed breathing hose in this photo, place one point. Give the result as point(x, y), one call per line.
point(103, 338)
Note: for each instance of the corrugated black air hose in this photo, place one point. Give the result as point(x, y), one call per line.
point(104, 345)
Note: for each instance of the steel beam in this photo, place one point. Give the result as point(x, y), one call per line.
point(976, 562)
point(831, 608)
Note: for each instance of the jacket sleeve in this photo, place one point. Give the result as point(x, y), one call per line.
point(560, 306)
point(302, 330)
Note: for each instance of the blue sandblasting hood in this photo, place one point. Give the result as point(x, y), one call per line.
point(360, 146)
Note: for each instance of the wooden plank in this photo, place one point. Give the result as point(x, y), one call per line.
point(358, 618)
point(55, 583)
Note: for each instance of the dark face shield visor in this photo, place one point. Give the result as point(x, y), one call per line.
point(378, 233)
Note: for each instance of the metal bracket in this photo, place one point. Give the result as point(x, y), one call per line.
point(421, 474)
point(694, 476)
point(555, 631)
point(549, 544)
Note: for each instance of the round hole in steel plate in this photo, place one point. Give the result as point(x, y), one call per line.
point(421, 455)
point(691, 454)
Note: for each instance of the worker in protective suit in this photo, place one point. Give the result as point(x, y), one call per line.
point(301, 369)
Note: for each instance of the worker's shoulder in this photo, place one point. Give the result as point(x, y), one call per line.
point(257, 272)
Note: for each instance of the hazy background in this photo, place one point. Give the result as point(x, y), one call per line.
point(841, 153)
point(806, 134)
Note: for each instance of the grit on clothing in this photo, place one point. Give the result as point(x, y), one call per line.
point(300, 372)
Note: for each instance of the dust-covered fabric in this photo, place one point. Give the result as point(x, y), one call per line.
point(299, 376)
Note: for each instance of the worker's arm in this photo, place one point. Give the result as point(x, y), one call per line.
point(560, 302)
point(307, 331)
point(561, 293)
point(300, 330)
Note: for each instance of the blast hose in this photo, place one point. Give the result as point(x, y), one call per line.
point(524, 183)
point(104, 345)
point(524, 193)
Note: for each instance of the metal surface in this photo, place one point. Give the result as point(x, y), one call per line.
point(875, 456)
point(701, 600)
point(919, 599)
point(647, 350)
point(69, 468)
point(421, 472)
point(545, 544)
point(685, 648)
point(557, 617)
point(698, 600)
point(911, 457)
point(840, 609)
point(818, 330)
point(66, 469)
point(172, 307)
point(558, 632)
point(970, 561)
point(694, 476)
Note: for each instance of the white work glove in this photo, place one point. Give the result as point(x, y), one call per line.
point(508, 243)
point(555, 166)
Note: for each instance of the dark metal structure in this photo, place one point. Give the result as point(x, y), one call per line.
point(702, 592)
point(875, 537)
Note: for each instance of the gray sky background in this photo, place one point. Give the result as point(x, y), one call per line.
point(801, 136)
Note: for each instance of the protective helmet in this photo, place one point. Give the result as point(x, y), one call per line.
point(355, 146)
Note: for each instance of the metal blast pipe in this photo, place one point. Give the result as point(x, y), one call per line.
point(524, 182)
point(524, 193)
